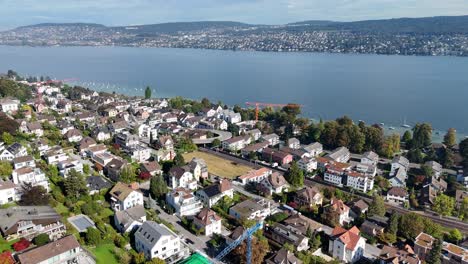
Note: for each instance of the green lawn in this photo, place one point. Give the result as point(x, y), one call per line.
point(104, 254)
point(6, 245)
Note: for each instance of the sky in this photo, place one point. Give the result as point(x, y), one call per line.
point(15, 13)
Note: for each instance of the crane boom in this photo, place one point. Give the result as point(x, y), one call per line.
point(246, 235)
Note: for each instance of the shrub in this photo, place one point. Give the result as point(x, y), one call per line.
point(41, 239)
point(21, 245)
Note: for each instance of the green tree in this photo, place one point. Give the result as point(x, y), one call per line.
point(179, 160)
point(422, 135)
point(447, 158)
point(413, 201)
point(5, 169)
point(158, 186)
point(411, 225)
point(295, 175)
point(86, 169)
point(128, 174)
point(156, 261)
point(147, 92)
point(463, 209)
point(443, 205)
point(455, 236)
point(427, 171)
point(93, 236)
point(41, 239)
point(74, 185)
point(377, 206)
point(393, 225)
point(185, 145)
point(216, 143)
point(407, 137)
point(8, 138)
point(450, 139)
point(435, 254)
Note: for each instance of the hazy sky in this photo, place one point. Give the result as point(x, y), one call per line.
point(130, 12)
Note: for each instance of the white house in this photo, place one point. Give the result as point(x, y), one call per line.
point(130, 219)
point(255, 176)
point(272, 139)
point(346, 245)
point(255, 134)
point(9, 105)
point(275, 183)
point(399, 163)
point(139, 153)
point(314, 149)
point(8, 192)
point(74, 135)
point(251, 209)
point(339, 207)
point(397, 195)
point(66, 166)
point(125, 196)
point(33, 176)
point(208, 221)
point(13, 151)
point(184, 202)
point(307, 164)
point(157, 241)
point(340, 154)
point(370, 158)
point(359, 181)
point(24, 161)
point(182, 177)
point(211, 194)
point(236, 143)
point(55, 155)
point(293, 143)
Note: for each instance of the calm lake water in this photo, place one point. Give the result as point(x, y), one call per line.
point(373, 88)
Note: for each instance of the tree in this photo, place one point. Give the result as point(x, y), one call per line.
point(450, 139)
point(464, 148)
point(234, 129)
point(377, 206)
point(216, 143)
point(179, 160)
point(413, 201)
point(447, 158)
point(8, 138)
point(128, 174)
point(455, 236)
point(93, 236)
point(427, 171)
point(407, 137)
point(295, 175)
point(7, 124)
point(393, 226)
point(260, 248)
point(411, 225)
point(34, 195)
point(463, 210)
point(422, 136)
point(86, 169)
point(185, 145)
point(139, 258)
point(206, 102)
point(74, 185)
point(331, 218)
point(158, 186)
point(435, 254)
point(147, 92)
point(5, 169)
point(443, 205)
point(41, 239)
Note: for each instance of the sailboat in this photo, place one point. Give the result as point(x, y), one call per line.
point(405, 125)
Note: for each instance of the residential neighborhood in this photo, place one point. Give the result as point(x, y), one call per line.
point(93, 177)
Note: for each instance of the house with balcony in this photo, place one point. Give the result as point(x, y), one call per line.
point(24, 161)
point(130, 219)
point(255, 176)
point(66, 166)
point(272, 139)
point(30, 221)
point(308, 196)
point(274, 183)
point(157, 241)
point(340, 154)
point(281, 234)
point(397, 195)
point(8, 193)
point(184, 202)
point(181, 177)
point(307, 164)
point(33, 176)
point(251, 210)
point(198, 168)
point(124, 196)
point(314, 149)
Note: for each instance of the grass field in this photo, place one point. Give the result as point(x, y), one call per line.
point(104, 254)
point(219, 166)
point(6, 245)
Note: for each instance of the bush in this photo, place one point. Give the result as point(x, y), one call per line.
point(21, 245)
point(41, 239)
point(93, 236)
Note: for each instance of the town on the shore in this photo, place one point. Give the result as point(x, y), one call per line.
point(95, 177)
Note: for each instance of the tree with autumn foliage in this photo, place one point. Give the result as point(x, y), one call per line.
point(260, 248)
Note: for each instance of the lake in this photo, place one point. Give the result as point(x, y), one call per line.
point(373, 88)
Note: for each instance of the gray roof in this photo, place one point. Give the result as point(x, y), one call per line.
point(371, 155)
point(153, 231)
point(127, 217)
point(10, 216)
point(312, 147)
point(402, 161)
point(341, 151)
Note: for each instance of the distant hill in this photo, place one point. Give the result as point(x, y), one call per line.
point(442, 24)
point(42, 25)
